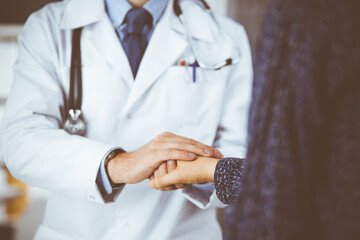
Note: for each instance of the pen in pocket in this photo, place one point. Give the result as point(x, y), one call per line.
point(193, 65)
point(187, 74)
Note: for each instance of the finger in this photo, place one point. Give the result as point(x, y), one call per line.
point(170, 188)
point(193, 146)
point(152, 184)
point(164, 181)
point(198, 149)
point(218, 154)
point(174, 154)
point(156, 173)
point(151, 177)
point(170, 137)
point(162, 169)
point(171, 165)
point(179, 185)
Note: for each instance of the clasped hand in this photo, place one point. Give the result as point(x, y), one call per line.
point(167, 153)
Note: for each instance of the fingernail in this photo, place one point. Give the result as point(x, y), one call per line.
point(170, 162)
point(191, 155)
point(207, 151)
point(217, 154)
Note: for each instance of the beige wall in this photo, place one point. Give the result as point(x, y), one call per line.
point(250, 14)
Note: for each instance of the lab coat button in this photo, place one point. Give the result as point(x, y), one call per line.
point(128, 116)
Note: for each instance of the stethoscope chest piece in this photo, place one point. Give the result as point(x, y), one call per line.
point(75, 123)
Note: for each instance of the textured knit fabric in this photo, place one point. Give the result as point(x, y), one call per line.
point(303, 163)
point(228, 177)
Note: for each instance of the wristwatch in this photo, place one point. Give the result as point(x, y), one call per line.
point(109, 157)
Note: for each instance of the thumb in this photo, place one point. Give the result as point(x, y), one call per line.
point(164, 181)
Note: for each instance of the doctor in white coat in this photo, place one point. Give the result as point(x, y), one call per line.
point(124, 112)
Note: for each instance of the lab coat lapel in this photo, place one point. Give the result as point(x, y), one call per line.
point(98, 30)
point(164, 49)
point(107, 44)
point(79, 13)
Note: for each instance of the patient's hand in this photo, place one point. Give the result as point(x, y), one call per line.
point(200, 170)
point(164, 168)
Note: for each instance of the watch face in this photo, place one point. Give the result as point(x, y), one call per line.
point(111, 155)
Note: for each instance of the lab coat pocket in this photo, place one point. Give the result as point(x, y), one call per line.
point(191, 100)
point(90, 86)
point(44, 232)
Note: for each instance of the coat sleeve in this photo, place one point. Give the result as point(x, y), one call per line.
point(35, 149)
point(232, 129)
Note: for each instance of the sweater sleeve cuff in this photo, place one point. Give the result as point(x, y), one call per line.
point(228, 176)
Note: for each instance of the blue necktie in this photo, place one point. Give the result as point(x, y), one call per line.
point(139, 24)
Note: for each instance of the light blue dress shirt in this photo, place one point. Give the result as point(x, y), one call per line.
point(117, 10)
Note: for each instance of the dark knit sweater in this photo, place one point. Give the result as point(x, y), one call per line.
point(302, 175)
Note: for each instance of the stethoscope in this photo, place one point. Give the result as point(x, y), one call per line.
point(220, 63)
point(75, 123)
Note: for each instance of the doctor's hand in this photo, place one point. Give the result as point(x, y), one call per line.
point(165, 168)
point(200, 170)
point(134, 167)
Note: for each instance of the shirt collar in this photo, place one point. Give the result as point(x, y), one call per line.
point(117, 10)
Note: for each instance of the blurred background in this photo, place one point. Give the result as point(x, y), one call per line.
point(22, 206)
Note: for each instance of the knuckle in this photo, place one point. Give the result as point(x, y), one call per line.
point(185, 155)
point(192, 141)
point(165, 134)
point(158, 138)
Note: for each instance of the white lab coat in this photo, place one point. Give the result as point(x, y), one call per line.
point(119, 112)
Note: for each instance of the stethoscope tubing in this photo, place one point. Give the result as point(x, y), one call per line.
point(75, 100)
point(179, 13)
point(75, 117)
point(177, 9)
point(74, 123)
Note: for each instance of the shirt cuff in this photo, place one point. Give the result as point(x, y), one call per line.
point(201, 195)
point(108, 190)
